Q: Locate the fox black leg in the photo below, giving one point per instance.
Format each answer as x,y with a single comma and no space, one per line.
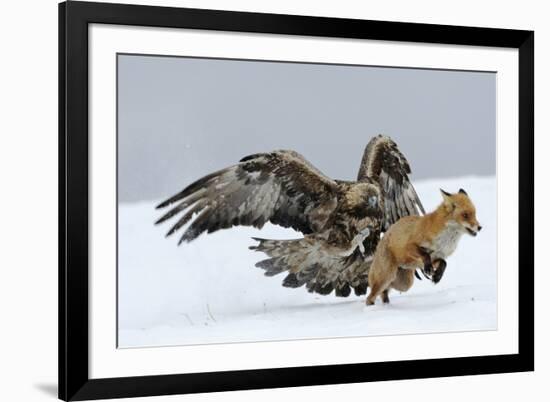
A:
385,296
417,275
426,259
441,265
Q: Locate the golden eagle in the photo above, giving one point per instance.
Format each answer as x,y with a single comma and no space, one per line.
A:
341,220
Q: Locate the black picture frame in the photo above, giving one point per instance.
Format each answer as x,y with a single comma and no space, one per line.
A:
74,381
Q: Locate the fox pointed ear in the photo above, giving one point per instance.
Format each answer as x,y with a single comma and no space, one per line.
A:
447,200
461,191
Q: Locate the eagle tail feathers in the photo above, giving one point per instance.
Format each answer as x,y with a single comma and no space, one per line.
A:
306,264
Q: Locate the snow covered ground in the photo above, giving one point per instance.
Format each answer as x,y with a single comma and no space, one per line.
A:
209,291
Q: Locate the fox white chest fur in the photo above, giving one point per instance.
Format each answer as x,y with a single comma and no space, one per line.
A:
445,243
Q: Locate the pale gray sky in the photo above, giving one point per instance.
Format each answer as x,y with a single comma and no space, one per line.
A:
182,118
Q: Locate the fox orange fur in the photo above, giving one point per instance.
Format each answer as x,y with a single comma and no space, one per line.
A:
420,242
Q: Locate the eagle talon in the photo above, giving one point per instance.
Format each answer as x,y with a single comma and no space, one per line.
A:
366,232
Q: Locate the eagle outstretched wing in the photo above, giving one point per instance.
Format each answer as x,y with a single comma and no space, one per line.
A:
383,163
280,187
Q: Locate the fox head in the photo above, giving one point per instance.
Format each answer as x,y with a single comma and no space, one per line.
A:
462,211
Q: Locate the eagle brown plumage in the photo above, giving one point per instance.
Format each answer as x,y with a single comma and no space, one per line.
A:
341,220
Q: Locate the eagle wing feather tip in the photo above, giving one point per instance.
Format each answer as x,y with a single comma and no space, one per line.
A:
165,203
171,231
160,220
187,238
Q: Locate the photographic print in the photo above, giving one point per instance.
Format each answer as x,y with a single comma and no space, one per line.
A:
252,201
272,201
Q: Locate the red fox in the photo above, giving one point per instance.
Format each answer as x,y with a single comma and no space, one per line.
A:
420,242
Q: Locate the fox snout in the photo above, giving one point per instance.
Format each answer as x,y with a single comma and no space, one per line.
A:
475,230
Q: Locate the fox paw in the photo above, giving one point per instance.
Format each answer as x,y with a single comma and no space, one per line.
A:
441,265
